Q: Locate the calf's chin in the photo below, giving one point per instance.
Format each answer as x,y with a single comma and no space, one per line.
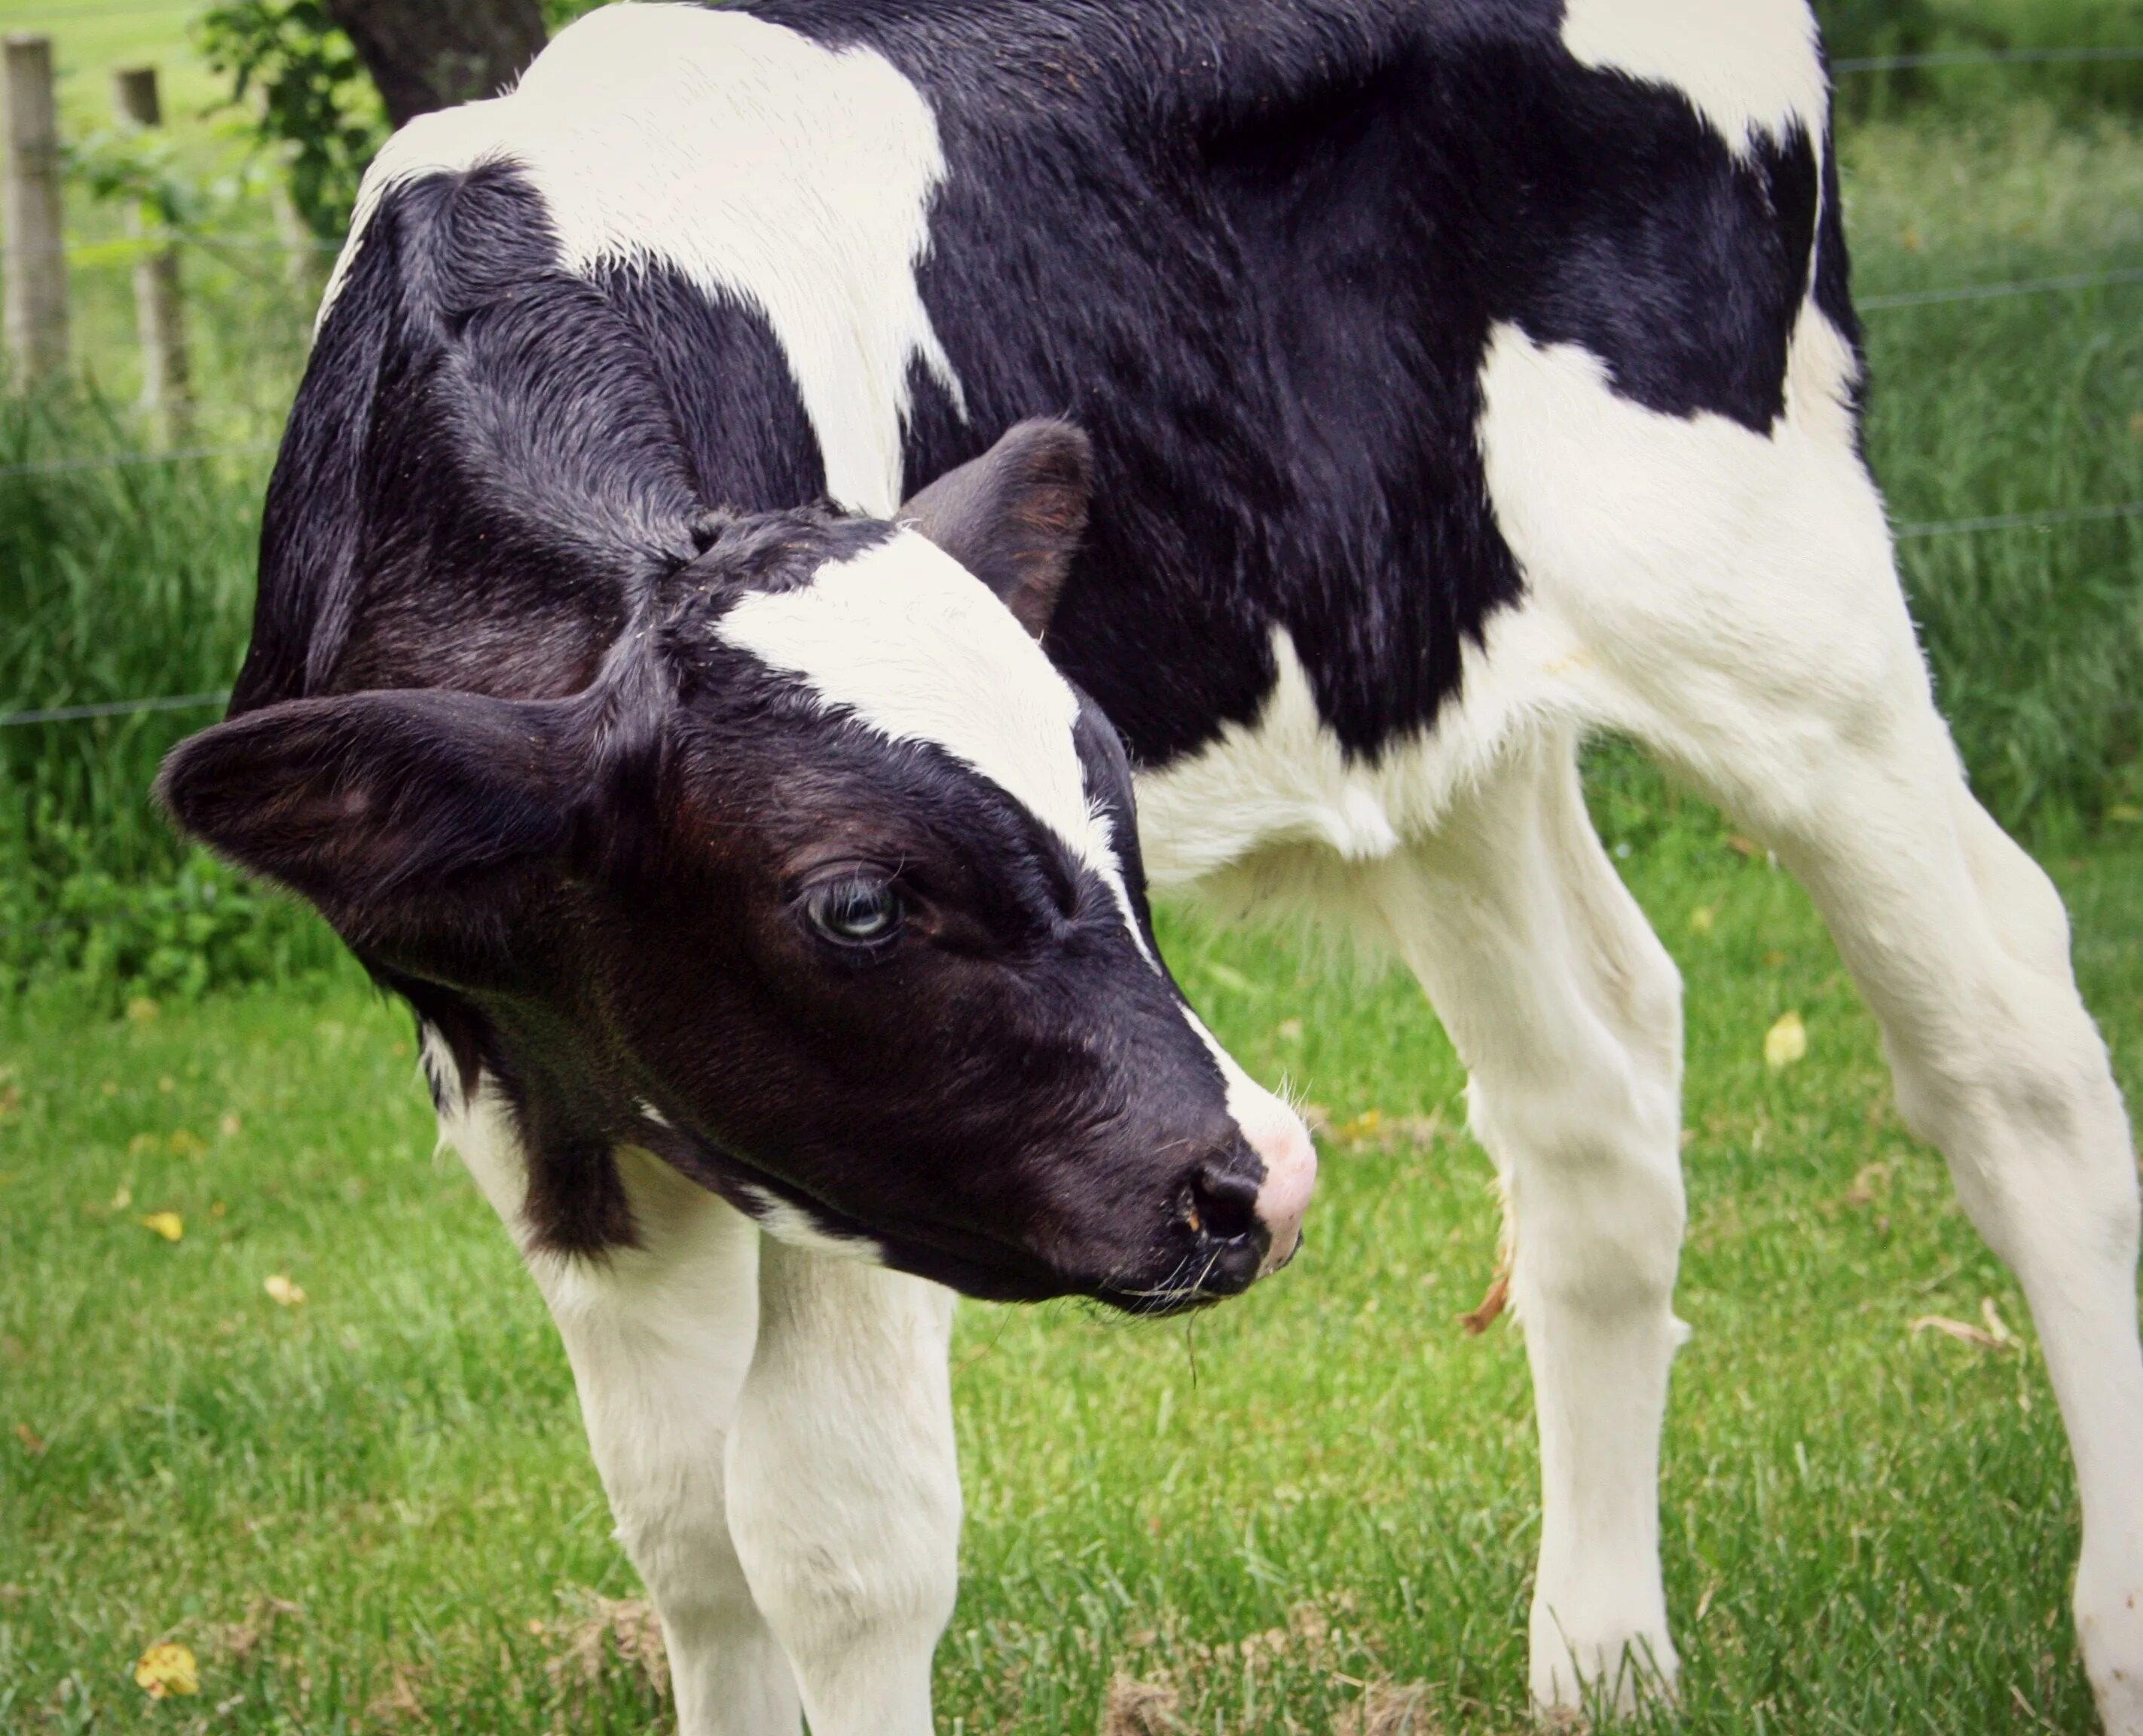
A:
1064,1128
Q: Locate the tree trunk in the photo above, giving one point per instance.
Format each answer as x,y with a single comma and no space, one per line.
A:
428,54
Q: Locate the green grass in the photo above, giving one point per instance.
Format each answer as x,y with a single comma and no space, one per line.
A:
1876,1529
2027,404
115,584
92,38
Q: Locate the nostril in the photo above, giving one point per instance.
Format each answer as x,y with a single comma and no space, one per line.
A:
1224,1204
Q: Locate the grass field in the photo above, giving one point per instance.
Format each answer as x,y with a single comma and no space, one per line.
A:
1866,1528
92,37
2021,404
373,1510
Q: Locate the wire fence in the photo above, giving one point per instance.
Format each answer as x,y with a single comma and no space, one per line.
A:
1984,57
106,249
109,708
1994,292
121,460
2014,522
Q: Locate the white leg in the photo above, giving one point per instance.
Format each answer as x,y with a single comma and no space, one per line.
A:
844,1488
660,1337
1961,945
1567,1013
1734,601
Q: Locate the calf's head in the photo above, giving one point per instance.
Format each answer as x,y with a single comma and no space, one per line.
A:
827,890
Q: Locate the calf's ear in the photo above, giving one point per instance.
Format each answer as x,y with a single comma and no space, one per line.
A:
401,814
1013,517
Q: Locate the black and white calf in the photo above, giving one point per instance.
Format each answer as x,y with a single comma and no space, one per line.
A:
1460,377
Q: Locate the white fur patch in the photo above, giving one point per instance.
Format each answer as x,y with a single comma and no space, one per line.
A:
1637,532
792,1224
1703,563
766,169
1284,779
1748,67
917,648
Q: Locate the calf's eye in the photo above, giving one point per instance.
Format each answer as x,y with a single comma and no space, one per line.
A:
854,912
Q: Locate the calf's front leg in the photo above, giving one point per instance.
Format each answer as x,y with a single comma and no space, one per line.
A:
660,1337
843,1487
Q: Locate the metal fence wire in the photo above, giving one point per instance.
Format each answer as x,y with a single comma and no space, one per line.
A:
1984,57
110,708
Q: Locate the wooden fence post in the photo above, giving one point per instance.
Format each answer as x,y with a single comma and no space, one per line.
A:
33,255
159,313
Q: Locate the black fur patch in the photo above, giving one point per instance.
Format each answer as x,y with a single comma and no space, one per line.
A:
1256,248
523,463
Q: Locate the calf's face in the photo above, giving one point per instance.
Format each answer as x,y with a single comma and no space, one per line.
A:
827,891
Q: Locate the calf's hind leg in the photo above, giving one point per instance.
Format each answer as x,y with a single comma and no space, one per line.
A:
1960,943
1739,612
1567,1013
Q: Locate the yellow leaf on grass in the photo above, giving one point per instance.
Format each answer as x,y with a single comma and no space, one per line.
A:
283,1292
168,1668
1961,1330
1704,918
170,1225
1785,1042
141,1009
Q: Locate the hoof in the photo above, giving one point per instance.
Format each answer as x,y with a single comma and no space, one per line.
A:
2109,1618
1610,1676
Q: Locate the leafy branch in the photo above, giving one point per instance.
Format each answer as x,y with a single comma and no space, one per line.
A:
316,105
